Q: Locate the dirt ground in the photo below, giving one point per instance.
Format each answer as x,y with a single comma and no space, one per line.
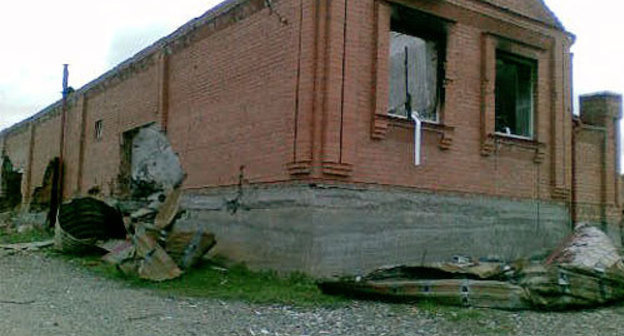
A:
42,295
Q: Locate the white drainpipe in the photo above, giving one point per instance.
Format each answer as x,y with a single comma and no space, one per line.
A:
417,138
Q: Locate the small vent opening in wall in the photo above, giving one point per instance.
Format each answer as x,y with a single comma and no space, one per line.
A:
98,129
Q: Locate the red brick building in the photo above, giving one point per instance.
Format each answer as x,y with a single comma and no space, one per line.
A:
294,121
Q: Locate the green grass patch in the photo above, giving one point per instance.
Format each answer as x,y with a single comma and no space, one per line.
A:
29,236
211,279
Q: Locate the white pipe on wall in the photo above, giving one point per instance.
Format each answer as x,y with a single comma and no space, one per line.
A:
417,138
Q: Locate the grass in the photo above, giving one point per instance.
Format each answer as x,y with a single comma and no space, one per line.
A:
211,279
236,283
29,236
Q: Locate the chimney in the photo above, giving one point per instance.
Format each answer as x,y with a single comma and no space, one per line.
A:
598,109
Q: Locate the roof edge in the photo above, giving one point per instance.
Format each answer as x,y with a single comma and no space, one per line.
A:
209,16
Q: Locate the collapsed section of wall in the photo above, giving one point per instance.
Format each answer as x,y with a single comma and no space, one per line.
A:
10,185
329,230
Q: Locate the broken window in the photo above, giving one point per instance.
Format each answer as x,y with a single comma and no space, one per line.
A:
415,67
514,95
98,129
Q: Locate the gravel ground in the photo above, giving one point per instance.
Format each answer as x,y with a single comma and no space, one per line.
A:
41,296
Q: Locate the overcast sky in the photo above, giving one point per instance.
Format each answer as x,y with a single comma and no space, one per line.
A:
38,36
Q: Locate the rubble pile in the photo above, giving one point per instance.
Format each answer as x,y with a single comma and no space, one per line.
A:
154,250
585,271
143,239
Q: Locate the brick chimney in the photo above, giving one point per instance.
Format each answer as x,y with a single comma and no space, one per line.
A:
598,109
597,182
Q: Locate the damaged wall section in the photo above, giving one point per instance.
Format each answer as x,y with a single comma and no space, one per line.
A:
42,195
10,185
153,165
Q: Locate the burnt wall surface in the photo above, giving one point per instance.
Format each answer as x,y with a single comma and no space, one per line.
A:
339,229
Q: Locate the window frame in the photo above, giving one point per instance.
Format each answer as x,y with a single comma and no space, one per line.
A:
533,64
538,50
429,28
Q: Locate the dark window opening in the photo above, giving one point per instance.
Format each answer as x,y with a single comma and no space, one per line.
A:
98,129
416,67
515,92
10,185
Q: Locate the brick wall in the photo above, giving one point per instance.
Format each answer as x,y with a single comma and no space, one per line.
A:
596,162
299,92
232,100
346,149
126,104
46,142
17,148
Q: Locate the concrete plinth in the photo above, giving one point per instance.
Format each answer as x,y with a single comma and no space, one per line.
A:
327,230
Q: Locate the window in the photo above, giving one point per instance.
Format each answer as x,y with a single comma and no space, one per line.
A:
98,129
415,64
515,77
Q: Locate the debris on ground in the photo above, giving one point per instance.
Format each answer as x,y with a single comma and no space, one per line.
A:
476,285
187,244
85,221
34,246
155,250
586,271
154,263
118,252
140,235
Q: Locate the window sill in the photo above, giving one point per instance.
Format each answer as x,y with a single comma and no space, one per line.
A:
445,132
517,140
493,140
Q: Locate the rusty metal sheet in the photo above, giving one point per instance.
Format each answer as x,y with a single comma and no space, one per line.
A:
458,292
155,264
67,243
188,247
586,271
118,251
89,218
27,246
169,210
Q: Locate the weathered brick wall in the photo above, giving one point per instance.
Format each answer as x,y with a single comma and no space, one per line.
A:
299,92
17,148
225,92
533,9
295,92
46,147
16,145
597,176
126,104
73,147
533,169
232,100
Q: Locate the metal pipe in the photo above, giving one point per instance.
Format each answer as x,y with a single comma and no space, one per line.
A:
57,184
63,122
417,138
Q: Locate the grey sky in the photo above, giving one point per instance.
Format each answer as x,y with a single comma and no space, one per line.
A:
599,48
93,36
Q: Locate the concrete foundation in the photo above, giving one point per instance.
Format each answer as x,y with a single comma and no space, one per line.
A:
327,230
